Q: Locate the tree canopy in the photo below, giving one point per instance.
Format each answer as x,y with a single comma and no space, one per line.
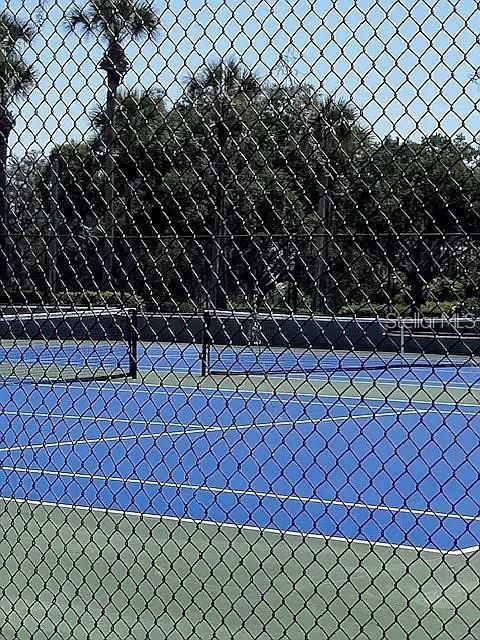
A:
275,194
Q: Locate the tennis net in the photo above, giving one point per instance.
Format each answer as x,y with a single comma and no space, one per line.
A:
67,346
261,344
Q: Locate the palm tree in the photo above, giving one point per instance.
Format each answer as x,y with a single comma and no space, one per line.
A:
141,141
333,137
16,79
226,89
113,22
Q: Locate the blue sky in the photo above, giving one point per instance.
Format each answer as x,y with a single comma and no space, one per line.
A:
406,65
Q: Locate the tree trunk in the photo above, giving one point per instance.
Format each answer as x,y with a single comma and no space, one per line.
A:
219,266
292,291
321,273
422,273
115,64
109,146
52,244
7,123
128,249
219,285
417,292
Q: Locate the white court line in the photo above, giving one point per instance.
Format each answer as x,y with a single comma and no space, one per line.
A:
257,494
343,377
190,429
144,421
160,389
239,527
83,416
291,397
350,416
72,443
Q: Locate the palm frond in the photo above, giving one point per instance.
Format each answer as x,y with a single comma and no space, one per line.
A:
114,20
17,79
144,21
228,76
14,30
76,19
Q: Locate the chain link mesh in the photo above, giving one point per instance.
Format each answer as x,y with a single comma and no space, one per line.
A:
239,319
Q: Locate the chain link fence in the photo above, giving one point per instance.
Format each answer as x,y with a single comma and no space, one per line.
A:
239,320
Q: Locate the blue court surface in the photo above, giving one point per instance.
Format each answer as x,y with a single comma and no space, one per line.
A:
392,473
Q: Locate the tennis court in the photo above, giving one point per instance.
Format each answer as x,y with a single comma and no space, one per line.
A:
379,471
178,500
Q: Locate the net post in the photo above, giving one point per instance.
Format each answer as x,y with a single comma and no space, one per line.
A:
133,343
402,337
206,340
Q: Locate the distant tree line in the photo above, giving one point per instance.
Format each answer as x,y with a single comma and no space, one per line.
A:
246,192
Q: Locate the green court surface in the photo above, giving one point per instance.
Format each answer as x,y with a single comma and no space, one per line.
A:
80,574
420,392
